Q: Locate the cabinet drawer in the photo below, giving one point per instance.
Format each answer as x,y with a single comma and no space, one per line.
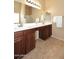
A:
29,31
18,34
18,39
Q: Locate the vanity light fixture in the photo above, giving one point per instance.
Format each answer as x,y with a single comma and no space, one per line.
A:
33,4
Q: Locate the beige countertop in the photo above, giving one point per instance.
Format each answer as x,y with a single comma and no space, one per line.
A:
27,26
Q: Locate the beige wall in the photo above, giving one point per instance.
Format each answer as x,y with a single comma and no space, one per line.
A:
58,32
36,12
56,7
17,7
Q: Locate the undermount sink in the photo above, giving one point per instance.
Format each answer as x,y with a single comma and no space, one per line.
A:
28,24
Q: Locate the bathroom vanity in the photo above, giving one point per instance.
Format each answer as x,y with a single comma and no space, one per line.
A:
28,21
24,38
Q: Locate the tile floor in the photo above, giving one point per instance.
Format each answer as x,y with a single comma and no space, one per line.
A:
49,49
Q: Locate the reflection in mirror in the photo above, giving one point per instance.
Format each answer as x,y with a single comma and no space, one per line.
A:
16,18
27,14
29,19
17,8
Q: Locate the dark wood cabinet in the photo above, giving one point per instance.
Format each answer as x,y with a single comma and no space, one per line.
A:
19,46
50,30
29,36
24,41
45,32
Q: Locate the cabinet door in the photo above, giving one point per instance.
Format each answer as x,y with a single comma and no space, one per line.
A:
50,30
29,40
19,47
22,47
45,32
32,40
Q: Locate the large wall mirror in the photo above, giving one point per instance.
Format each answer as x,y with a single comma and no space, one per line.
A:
25,14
